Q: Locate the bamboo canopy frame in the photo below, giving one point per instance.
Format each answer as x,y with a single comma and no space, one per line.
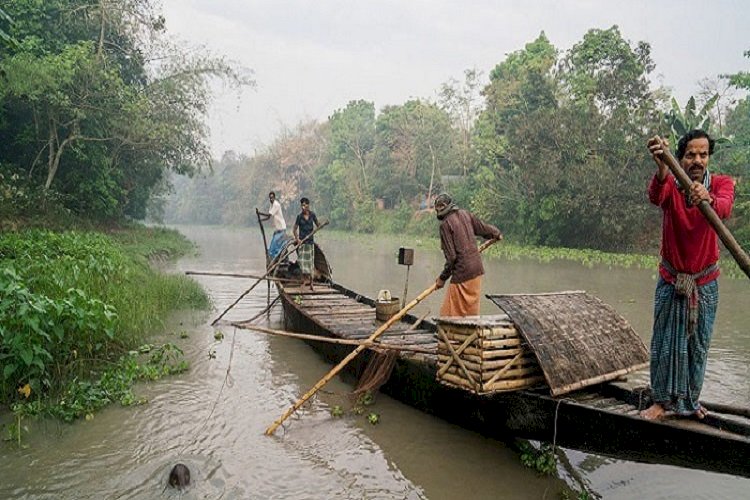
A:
270,269
336,369
740,256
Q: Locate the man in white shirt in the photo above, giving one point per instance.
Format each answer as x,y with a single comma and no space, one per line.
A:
279,225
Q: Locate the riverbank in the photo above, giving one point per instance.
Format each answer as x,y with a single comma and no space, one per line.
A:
512,251
78,310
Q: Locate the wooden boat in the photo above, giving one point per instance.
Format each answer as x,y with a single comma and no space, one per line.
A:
601,419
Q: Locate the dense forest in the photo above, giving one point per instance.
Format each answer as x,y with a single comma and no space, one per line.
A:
97,104
102,116
551,149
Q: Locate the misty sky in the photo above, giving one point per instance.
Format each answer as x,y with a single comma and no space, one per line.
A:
312,57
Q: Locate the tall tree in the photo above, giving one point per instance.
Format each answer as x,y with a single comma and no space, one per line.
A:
79,90
353,139
462,101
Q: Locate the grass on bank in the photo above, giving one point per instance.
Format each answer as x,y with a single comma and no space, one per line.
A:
76,311
424,234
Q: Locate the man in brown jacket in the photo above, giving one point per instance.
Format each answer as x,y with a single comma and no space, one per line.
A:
463,266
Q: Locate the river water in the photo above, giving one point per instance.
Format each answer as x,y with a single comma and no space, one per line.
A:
212,418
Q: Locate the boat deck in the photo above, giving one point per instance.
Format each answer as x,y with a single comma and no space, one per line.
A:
347,318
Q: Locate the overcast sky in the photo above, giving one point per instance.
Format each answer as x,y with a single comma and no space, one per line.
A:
312,57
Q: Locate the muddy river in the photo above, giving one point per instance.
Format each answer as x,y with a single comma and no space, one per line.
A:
212,418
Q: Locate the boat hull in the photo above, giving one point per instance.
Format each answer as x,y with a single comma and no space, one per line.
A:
586,420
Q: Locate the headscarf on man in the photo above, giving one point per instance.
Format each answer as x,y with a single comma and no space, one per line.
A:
444,205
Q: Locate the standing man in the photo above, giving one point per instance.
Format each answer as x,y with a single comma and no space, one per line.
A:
279,226
458,232
687,292
304,225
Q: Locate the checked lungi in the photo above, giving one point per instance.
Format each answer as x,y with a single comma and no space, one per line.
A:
678,357
306,258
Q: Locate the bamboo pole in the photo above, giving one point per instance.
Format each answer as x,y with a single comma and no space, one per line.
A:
239,275
265,245
319,338
273,266
740,256
263,232
336,369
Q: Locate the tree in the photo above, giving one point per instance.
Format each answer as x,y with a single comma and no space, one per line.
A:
462,102
521,84
5,38
568,174
604,70
353,139
416,141
80,89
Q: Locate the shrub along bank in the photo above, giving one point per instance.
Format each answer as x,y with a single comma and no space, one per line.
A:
76,310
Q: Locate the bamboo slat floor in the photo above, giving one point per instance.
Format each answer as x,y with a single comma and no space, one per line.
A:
347,318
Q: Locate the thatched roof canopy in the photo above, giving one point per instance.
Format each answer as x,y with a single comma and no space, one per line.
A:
578,339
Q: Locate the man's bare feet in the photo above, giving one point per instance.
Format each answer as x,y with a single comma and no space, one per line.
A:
653,412
700,413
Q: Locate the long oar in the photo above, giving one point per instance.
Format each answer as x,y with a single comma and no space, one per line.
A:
273,266
265,245
263,232
336,369
708,212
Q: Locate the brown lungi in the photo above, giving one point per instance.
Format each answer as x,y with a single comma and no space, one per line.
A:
462,299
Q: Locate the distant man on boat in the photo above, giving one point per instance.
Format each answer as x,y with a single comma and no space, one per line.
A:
304,225
463,266
279,226
687,293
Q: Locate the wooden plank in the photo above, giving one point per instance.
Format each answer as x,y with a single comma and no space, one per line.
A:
334,312
337,301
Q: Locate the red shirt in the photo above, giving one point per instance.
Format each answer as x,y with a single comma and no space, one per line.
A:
688,242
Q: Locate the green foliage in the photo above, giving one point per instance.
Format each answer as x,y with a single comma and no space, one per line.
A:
540,459
554,157
567,174
603,69
682,121
38,333
5,38
741,79
83,397
63,298
337,411
85,119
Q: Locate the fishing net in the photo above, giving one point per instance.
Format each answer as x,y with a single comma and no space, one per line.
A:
376,373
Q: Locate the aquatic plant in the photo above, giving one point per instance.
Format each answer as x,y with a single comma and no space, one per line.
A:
74,302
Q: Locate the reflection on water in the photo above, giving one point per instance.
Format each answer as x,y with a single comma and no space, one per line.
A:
213,420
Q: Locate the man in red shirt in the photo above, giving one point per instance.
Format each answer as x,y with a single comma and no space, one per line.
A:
463,266
687,293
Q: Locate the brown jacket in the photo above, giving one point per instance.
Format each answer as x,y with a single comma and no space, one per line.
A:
458,232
